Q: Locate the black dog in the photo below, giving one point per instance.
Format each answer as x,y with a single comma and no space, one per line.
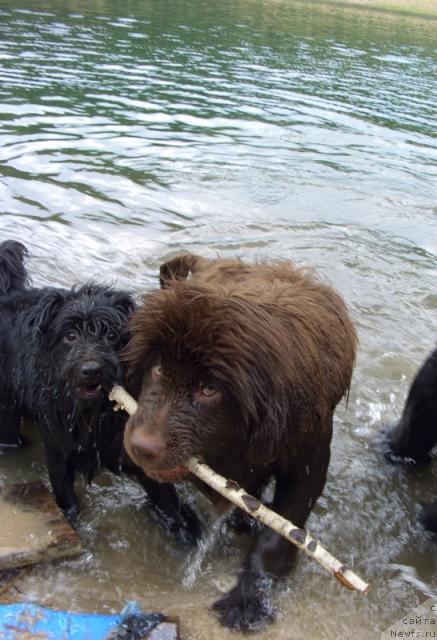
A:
416,433
59,353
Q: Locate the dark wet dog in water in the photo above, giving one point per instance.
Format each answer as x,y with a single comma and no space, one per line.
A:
243,366
416,432
59,353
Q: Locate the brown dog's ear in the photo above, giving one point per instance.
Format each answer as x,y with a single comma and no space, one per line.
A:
178,268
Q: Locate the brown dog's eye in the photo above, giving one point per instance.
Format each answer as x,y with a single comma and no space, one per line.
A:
209,390
71,337
157,371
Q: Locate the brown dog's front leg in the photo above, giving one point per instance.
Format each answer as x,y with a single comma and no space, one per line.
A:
248,606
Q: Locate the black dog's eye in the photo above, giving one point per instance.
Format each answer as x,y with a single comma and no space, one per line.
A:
112,336
71,337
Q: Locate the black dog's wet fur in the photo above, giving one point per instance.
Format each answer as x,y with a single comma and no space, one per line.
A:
416,433
59,353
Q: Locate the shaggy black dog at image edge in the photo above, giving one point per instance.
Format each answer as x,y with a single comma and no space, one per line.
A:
59,356
416,432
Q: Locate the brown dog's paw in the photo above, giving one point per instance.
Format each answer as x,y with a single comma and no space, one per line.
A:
248,613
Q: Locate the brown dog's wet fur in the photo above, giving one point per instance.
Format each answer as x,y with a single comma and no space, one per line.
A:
241,365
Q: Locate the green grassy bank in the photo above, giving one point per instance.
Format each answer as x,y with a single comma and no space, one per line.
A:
417,7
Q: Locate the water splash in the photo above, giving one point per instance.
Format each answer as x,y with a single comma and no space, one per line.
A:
194,562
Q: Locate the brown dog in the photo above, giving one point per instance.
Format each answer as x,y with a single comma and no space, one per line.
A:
241,365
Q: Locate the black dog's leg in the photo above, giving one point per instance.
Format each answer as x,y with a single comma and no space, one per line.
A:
10,424
176,517
428,516
173,515
416,433
61,475
247,607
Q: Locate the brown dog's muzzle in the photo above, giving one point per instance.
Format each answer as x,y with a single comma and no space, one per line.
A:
146,447
149,451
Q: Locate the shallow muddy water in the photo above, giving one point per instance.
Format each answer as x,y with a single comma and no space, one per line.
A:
130,130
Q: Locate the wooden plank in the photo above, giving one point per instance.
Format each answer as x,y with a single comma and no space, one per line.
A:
32,527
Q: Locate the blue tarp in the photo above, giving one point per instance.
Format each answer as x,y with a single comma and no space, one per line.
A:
23,621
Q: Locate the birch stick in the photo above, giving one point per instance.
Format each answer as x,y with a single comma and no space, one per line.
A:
251,505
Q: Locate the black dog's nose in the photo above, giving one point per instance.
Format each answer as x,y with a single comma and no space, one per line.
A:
90,369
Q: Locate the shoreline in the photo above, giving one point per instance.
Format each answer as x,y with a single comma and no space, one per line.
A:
423,8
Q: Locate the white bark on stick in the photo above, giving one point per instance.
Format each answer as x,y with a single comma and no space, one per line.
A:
251,505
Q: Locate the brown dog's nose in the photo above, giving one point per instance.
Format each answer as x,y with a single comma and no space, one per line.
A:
147,445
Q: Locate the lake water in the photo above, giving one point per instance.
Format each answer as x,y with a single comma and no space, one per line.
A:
265,129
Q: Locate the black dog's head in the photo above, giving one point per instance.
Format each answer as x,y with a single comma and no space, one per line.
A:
81,333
